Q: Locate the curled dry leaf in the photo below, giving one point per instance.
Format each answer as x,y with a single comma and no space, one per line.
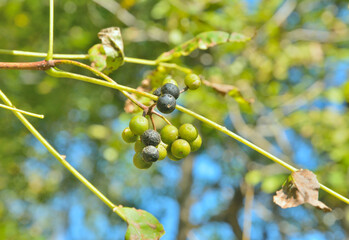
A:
300,187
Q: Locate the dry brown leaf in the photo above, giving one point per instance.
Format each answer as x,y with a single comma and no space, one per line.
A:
220,88
301,187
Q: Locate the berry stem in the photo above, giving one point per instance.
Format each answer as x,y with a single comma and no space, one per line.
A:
55,153
50,45
22,111
184,89
41,54
254,147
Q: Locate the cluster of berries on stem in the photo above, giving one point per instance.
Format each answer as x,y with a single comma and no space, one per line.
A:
176,143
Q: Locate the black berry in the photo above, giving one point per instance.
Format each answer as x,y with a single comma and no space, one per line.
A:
150,154
166,103
150,137
171,89
157,92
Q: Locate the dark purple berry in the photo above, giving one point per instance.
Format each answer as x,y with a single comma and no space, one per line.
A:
166,103
151,137
171,89
150,154
157,92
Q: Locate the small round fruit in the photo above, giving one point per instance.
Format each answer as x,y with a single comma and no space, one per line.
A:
196,144
180,148
157,92
169,134
128,135
171,89
150,154
139,162
166,103
139,146
188,132
138,125
151,137
172,157
169,79
192,81
162,152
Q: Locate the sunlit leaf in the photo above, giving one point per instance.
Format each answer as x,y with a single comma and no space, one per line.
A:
300,187
141,224
202,41
109,55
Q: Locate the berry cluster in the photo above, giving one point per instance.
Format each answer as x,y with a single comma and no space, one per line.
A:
151,146
169,92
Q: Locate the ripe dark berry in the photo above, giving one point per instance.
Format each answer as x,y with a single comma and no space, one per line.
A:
150,154
139,162
169,134
128,135
171,89
157,92
151,137
192,81
138,125
196,144
166,103
188,132
180,148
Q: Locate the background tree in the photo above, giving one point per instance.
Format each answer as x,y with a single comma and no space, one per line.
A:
295,69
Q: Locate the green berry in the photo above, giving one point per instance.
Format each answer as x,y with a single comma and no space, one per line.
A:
151,137
139,146
150,154
196,144
172,157
162,152
169,134
180,148
139,162
188,132
192,81
169,79
128,135
138,125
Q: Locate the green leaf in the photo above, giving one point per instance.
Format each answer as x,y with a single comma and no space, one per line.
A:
202,41
141,224
108,56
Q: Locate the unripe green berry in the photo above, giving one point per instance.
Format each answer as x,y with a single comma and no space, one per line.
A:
196,144
169,79
139,162
192,81
169,134
128,135
138,125
139,146
172,157
188,132
180,148
162,152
